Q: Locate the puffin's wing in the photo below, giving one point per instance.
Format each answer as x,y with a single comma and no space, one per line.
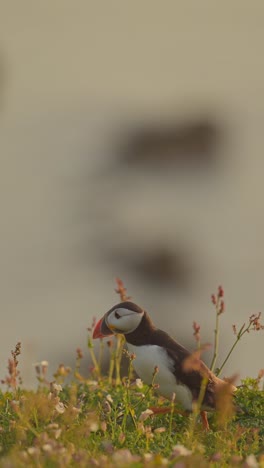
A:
216,388
193,378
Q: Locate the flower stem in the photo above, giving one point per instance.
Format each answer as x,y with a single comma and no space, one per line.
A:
241,332
118,357
111,367
216,338
93,357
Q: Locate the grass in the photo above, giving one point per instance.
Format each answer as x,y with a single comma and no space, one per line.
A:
107,420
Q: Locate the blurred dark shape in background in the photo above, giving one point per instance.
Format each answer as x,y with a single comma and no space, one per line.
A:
139,247
132,242
160,266
191,143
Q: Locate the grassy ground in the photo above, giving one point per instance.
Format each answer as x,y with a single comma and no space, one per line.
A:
107,420
91,422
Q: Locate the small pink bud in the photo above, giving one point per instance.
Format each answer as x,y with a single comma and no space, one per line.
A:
79,353
196,328
221,308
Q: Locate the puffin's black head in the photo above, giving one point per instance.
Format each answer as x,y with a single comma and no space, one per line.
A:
123,318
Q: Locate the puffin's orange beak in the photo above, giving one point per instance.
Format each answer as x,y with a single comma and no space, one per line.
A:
101,329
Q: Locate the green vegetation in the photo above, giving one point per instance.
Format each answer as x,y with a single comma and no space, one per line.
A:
108,421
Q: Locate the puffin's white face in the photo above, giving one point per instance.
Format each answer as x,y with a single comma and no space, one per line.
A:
122,320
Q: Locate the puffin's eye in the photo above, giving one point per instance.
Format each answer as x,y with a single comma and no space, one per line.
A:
117,315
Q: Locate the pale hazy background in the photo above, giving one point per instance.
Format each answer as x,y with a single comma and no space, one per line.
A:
76,80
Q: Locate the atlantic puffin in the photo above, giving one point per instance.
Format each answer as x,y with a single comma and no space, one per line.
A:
154,347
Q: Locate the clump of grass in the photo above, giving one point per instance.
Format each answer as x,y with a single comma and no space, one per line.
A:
107,420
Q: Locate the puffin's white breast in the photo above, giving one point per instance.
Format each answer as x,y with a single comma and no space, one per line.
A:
149,356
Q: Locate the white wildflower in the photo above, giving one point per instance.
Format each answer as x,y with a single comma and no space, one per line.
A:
181,451
57,388
91,382
57,433
52,426
94,426
145,414
60,408
148,457
109,398
139,383
251,461
47,447
44,363
159,430
33,450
